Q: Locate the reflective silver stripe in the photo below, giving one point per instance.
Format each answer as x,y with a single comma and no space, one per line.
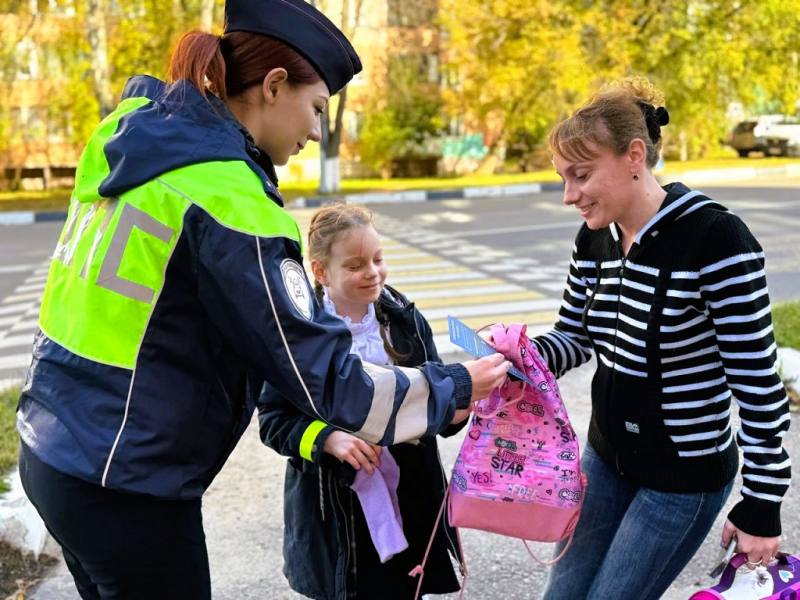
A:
66,252
280,330
107,277
121,427
412,417
62,248
109,209
384,382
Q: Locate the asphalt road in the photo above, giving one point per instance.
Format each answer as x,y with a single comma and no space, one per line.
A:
541,227
521,244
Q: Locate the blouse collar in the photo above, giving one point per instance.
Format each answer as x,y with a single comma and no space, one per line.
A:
367,340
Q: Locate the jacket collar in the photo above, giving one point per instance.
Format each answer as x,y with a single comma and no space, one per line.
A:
393,302
679,202
179,127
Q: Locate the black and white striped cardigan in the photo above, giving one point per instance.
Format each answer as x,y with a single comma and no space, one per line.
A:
680,326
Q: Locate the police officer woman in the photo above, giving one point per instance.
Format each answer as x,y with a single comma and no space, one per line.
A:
176,289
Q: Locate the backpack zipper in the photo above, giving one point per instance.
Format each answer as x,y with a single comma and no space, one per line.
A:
616,339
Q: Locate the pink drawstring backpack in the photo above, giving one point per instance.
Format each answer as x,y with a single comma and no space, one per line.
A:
518,471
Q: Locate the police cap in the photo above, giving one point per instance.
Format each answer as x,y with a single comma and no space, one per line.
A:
304,28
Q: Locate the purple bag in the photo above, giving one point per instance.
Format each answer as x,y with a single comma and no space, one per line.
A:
777,581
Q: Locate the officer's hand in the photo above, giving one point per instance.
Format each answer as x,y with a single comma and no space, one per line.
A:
352,450
487,373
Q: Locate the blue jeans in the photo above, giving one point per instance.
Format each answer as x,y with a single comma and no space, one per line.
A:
631,541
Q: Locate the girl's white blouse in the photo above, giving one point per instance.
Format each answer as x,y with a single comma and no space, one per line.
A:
367,341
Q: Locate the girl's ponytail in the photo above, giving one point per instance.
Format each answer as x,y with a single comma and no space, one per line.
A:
319,292
383,321
198,59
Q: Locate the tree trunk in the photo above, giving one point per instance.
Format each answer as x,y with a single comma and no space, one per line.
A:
494,157
683,140
329,174
325,183
207,15
98,40
330,180
489,164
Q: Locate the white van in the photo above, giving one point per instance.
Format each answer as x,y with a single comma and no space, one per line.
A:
774,135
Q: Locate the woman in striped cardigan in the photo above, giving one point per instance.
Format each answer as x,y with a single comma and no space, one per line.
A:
667,289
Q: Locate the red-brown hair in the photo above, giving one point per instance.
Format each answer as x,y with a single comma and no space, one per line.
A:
230,64
611,119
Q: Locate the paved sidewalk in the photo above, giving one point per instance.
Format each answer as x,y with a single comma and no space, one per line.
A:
243,520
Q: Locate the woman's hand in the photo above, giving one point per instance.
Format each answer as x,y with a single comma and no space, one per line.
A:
352,450
759,550
487,373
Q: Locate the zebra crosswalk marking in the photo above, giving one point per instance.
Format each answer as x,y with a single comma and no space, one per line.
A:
467,300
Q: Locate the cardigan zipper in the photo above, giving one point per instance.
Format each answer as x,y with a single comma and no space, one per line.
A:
616,342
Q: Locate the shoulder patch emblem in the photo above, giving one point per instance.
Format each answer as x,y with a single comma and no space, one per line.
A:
296,284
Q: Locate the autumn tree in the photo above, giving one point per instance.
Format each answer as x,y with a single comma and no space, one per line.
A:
514,65
403,117
522,65
347,18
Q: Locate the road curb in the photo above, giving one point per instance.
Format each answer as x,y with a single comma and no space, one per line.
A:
27,217
20,525
701,177
485,191
698,177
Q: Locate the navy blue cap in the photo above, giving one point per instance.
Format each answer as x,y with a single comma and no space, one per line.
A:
304,28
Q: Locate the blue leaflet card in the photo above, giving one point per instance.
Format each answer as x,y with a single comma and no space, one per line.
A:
463,337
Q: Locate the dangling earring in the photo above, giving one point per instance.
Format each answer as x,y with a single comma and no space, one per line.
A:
635,177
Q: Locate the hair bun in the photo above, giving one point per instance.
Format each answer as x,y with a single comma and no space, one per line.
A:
662,116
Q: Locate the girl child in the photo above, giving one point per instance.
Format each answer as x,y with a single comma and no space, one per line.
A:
328,550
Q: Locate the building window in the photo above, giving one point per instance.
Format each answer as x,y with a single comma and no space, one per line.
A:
411,13
432,61
35,127
27,60
15,116
64,8
414,65
51,62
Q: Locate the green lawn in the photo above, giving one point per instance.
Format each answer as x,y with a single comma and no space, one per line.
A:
48,200
9,441
58,199
725,162
786,317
